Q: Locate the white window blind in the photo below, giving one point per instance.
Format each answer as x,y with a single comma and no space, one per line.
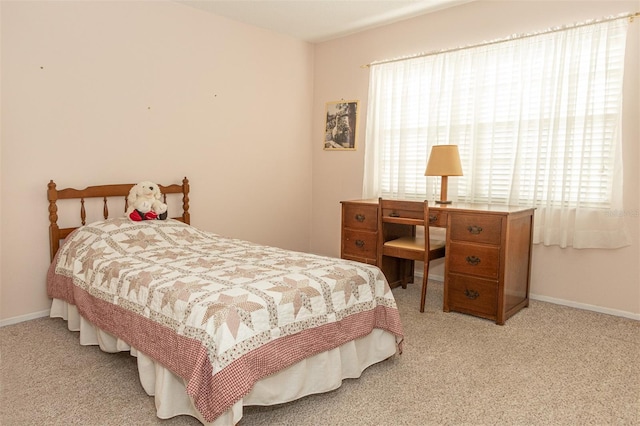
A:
536,118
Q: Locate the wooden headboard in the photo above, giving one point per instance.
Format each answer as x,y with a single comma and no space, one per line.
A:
102,191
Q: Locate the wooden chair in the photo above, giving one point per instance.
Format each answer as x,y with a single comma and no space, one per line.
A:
397,238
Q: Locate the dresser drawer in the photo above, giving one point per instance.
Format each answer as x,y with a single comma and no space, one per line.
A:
480,260
485,229
473,295
359,244
359,216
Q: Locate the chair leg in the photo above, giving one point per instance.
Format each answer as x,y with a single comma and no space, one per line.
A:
405,267
425,278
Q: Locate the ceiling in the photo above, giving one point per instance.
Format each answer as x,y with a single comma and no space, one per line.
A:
319,20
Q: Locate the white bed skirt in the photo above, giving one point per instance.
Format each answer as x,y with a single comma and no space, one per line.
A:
321,373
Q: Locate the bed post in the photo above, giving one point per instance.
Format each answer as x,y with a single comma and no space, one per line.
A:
186,217
54,236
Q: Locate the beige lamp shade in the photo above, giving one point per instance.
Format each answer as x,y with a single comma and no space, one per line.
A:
444,161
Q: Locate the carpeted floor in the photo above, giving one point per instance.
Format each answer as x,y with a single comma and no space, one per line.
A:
548,365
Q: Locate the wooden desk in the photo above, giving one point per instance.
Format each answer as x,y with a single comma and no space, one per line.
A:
488,254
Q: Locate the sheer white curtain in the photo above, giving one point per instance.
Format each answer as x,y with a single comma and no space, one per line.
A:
537,121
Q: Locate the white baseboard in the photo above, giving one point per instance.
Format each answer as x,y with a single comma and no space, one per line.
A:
585,306
439,278
22,318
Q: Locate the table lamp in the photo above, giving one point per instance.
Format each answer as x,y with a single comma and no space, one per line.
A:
444,161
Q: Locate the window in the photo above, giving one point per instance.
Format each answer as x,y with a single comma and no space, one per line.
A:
536,119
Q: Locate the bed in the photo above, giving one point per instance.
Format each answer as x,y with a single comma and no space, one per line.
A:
215,323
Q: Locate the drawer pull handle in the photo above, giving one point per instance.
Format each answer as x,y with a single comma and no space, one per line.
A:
394,214
359,243
471,294
473,260
360,217
475,230
433,218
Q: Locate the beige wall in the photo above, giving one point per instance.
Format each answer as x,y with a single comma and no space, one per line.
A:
105,92
605,280
102,92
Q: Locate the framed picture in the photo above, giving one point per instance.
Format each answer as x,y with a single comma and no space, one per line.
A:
341,125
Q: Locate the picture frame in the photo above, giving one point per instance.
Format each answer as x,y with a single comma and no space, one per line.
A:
341,125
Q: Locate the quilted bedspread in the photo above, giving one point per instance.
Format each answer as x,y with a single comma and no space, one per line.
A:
221,313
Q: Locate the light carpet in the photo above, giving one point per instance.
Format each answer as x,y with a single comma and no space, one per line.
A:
548,365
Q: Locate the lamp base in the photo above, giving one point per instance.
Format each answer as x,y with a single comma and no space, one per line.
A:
443,202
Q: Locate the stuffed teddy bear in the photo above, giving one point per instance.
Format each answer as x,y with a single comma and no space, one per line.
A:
144,202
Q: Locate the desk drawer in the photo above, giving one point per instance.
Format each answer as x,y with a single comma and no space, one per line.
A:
359,216
473,295
359,244
437,218
474,259
485,229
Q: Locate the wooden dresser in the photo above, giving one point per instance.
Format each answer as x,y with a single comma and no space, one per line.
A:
488,253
